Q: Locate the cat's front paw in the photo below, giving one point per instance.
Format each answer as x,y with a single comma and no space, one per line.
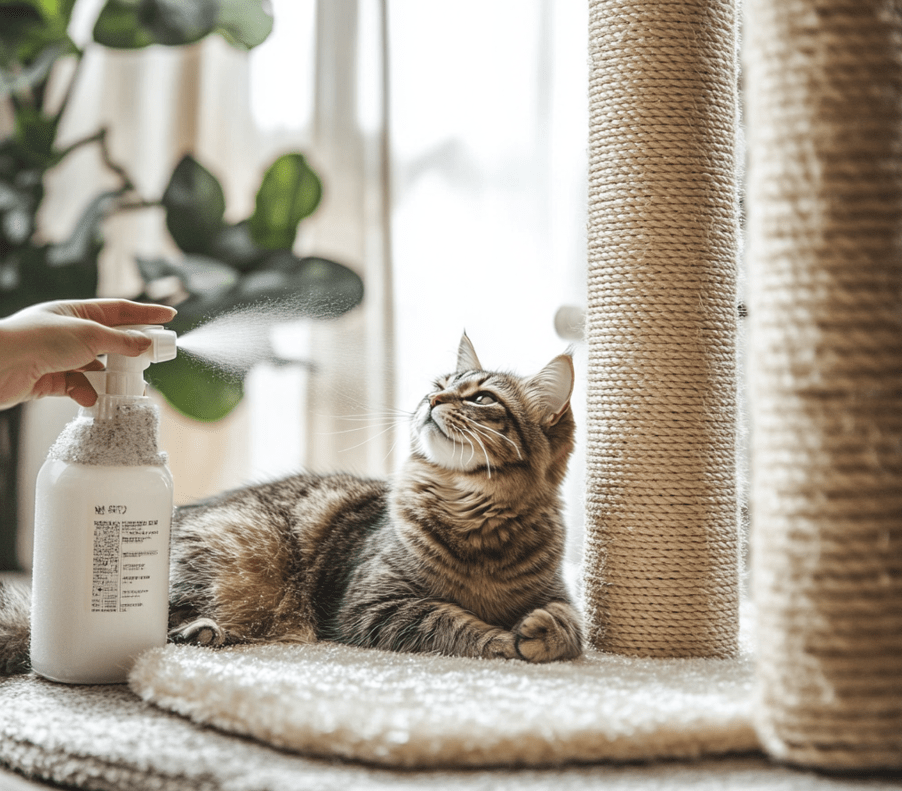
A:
502,645
548,634
203,631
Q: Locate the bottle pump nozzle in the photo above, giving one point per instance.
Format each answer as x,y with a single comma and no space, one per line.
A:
125,375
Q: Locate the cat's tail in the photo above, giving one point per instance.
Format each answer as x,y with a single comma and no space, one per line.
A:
15,628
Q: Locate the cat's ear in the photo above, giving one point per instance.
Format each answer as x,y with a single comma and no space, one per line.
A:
466,356
552,387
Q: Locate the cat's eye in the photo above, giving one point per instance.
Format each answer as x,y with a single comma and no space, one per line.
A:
483,399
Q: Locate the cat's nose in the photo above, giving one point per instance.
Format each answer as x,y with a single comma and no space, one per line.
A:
438,398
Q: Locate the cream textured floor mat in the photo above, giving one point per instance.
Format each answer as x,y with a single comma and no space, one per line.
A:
406,710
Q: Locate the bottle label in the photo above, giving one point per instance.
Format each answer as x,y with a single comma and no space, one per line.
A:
122,576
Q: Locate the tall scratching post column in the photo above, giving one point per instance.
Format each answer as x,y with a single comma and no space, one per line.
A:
825,229
661,564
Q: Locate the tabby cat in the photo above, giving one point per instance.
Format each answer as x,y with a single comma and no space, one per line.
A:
460,554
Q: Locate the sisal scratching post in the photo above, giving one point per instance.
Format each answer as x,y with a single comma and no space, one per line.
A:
661,567
825,211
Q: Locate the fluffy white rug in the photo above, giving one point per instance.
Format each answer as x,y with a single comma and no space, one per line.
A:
404,710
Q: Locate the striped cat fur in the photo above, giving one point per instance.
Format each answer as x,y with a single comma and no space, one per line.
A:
460,554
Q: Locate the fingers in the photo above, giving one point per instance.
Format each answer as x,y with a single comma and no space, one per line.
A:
72,383
79,389
126,312
113,312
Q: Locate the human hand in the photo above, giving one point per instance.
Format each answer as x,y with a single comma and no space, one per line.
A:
45,348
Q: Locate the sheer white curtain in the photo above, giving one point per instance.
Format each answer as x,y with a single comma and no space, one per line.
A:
353,375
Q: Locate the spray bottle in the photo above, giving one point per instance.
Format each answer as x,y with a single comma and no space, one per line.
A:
100,587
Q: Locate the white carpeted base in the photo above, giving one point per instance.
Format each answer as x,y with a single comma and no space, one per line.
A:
406,710
104,738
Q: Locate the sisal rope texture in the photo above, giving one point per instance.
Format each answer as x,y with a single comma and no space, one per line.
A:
661,561
825,228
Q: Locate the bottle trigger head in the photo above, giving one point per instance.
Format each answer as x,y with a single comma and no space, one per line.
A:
124,374
163,344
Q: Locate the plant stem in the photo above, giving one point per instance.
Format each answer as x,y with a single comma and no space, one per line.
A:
94,138
100,137
70,89
138,204
127,183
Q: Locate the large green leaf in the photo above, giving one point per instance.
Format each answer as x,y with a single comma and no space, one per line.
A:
132,24
177,22
195,205
235,245
118,26
244,23
29,27
195,388
290,192
18,17
315,287
57,8
45,9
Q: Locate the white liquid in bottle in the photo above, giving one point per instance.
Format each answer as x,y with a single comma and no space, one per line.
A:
101,571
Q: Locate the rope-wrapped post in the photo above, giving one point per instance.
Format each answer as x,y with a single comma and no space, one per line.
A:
824,81
661,561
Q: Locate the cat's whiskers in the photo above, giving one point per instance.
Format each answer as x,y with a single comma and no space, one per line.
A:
371,424
472,451
488,464
456,435
392,414
370,439
458,446
385,411
477,425
390,451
